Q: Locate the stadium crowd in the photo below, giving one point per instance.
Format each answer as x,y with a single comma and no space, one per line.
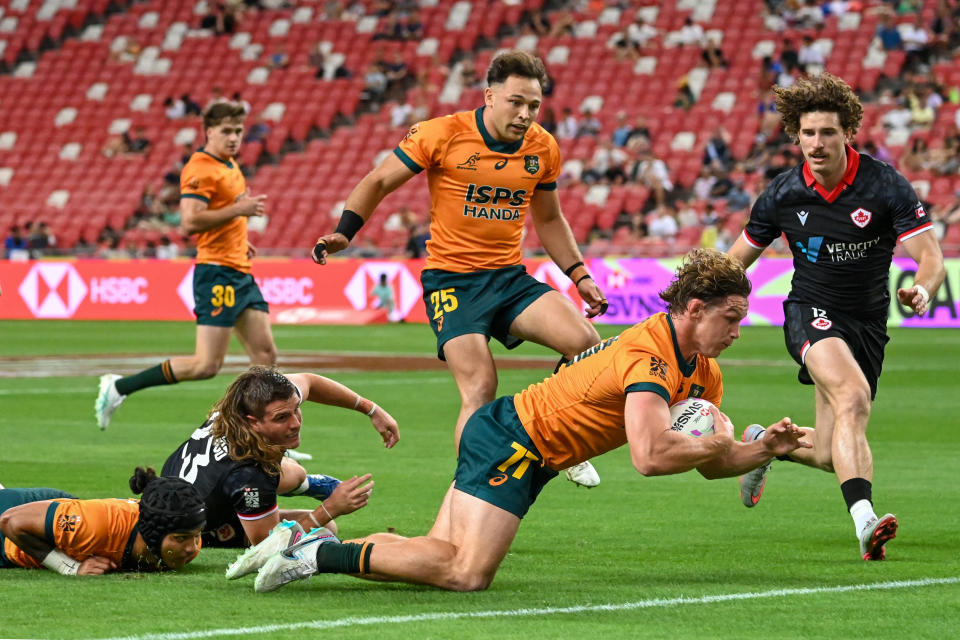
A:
678,212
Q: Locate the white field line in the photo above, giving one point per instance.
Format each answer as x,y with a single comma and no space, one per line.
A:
542,611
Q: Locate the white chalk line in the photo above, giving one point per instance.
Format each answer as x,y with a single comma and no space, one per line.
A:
541,611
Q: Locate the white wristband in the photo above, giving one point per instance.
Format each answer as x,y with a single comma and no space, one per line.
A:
60,562
373,410
922,290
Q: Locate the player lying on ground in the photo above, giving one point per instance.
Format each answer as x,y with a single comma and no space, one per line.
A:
616,393
50,528
236,458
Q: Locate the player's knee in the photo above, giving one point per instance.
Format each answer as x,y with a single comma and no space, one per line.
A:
466,580
204,370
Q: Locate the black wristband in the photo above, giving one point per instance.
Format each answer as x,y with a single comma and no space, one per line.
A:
571,268
582,278
350,223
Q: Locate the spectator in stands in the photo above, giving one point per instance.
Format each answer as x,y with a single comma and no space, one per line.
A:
620,44
945,160
536,21
111,249
413,27
652,172
640,134
640,34
82,247
610,160
389,29
168,249
878,151
810,57
398,77
809,16
703,183
191,106
945,214
687,216
590,125
661,223
223,19
15,244
917,156
568,126
916,44
247,108
922,114
712,54
382,8
564,24
685,98
174,108
622,131
888,34
789,56
716,153
258,131
374,87
691,34
548,120
768,114
468,75
216,96
138,143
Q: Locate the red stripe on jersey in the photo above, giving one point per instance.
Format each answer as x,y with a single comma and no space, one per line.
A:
803,351
753,243
258,516
914,232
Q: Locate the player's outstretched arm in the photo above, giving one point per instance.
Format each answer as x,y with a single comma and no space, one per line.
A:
925,250
780,438
558,240
375,186
323,390
656,450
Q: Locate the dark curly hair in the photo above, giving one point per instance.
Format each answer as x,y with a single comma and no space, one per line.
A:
708,275
168,505
826,93
516,63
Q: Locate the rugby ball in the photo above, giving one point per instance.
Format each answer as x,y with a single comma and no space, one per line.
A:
692,417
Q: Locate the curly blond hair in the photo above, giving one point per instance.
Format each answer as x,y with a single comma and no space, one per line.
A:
826,93
249,395
708,275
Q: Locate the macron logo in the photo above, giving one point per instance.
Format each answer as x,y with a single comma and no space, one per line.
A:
803,217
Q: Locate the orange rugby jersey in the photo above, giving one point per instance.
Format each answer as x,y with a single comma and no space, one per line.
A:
84,528
480,188
219,184
577,413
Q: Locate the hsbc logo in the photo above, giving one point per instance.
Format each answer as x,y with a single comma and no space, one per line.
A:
53,290
406,288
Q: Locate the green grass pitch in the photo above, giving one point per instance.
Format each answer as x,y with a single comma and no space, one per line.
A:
671,557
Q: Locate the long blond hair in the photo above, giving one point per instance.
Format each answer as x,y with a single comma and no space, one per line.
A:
249,395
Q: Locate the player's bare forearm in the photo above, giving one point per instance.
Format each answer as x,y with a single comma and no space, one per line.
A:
744,252
197,219
24,526
779,439
925,250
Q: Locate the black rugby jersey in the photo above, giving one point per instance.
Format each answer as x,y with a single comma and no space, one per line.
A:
231,490
842,241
